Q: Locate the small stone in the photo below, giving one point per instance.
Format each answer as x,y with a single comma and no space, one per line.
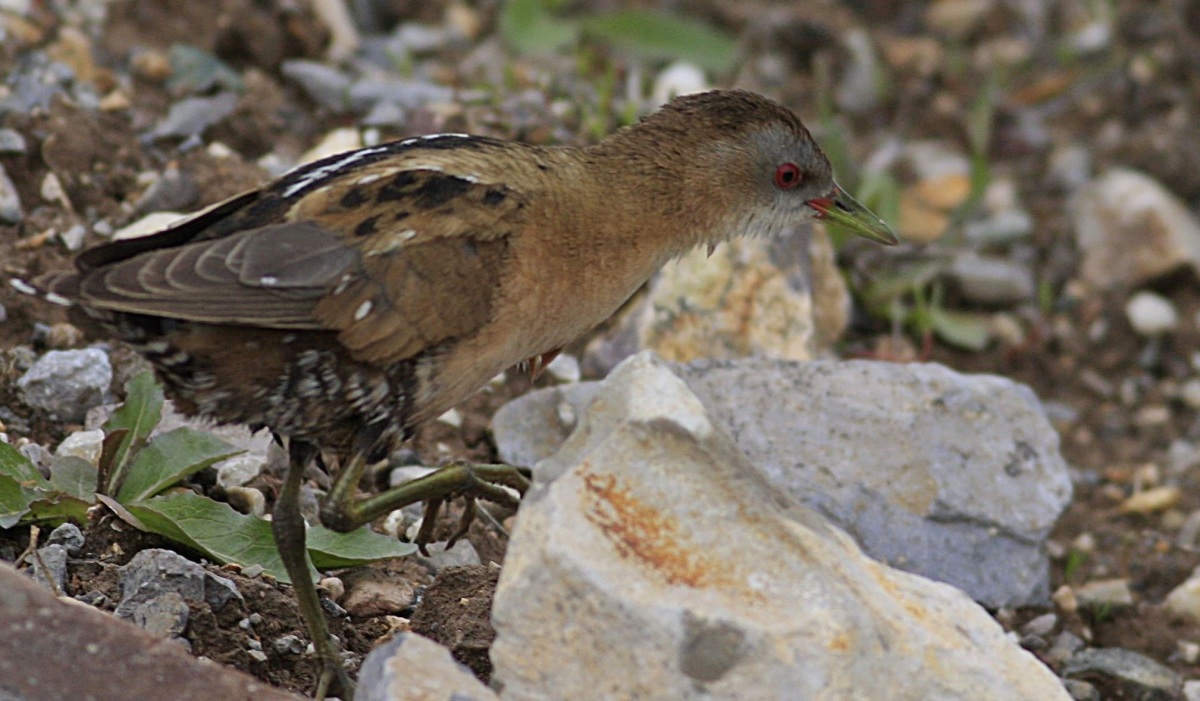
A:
1065,598
956,18
191,116
326,85
246,500
1188,651
1042,626
1151,314
73,238
165,616
333,587
12,142
239,470
1184,600
1190,392
371,593
289,645
1191,690
1136,675
257,655
679,78
1081,690
85,445
1105,592
69,536
65,384
989,280
1064,646
336,141
1151,500
565,369
54,557
10,202
452,417
463,553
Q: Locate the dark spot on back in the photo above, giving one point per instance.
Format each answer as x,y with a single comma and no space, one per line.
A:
398,187
367,226
470,248
438,189
494,196
401,216
543,167
354,198
471,143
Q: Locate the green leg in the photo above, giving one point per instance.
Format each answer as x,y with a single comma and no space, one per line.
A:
288,527
342,512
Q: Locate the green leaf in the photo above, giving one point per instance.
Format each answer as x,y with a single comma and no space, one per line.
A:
57,507
15,499
330,549
214,529
17,466
74,476
169,458
657,35
963,329
139,415
529,27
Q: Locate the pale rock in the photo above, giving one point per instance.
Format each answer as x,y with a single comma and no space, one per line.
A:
679,78
66,384
336,141
1105,592
414,668
750,297
1130,230
85,445
954,477
957,18
1184,600
651,546
1151,314
992,280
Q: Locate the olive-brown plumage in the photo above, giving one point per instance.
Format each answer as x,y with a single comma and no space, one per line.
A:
360,295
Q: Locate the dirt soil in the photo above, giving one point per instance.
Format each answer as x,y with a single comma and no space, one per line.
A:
1113,447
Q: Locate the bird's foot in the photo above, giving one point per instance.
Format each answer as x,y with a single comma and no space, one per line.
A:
494,483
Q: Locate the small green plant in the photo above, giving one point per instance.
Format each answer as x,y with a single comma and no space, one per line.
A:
138,477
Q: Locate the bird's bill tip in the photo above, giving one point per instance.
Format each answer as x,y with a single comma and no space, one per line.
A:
840,209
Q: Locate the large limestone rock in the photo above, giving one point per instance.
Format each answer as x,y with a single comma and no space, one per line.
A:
651,561
954,477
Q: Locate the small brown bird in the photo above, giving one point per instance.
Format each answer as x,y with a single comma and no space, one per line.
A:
358,296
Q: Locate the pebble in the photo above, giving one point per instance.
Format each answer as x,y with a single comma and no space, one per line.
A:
336,141
65,384
191,116
1105,592
1188,651
679,78
1064,646
85,445
1136,675
333,587
10,202
69,536
1151,500
325,84
1065,598
1191,690
565,369
246,500
1184,599
1081,690
462,554
1151,314
992,280
54,557
1041,626
289,645
12,142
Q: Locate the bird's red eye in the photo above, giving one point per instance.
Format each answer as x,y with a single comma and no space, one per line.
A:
788,176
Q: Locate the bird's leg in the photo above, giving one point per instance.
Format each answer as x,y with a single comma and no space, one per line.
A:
342,512
287,525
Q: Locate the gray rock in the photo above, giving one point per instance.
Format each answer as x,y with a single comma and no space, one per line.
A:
65,384
414,668
12,142
462,554
154,572
988,280
54,557
1081,690
191,116
10,201
1139,676
69,536
289,645
950,476
165,616
326,85
1191,690
650,545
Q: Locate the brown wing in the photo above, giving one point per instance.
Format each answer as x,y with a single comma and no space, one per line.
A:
399,262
